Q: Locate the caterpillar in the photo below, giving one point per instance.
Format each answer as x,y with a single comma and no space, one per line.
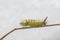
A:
33,23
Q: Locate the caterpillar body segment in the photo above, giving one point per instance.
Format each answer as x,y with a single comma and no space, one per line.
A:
33,23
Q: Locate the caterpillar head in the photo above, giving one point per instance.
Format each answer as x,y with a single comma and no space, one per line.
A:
24,23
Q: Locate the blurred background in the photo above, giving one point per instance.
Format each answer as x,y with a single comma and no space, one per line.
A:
12,12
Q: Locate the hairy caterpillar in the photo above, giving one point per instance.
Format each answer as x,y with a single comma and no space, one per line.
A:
33,23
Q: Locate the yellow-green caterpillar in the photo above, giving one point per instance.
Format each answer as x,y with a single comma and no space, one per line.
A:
33,23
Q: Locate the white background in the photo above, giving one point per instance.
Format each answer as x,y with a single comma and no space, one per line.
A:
13,11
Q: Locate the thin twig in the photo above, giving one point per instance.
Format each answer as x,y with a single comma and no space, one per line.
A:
24,28
53,24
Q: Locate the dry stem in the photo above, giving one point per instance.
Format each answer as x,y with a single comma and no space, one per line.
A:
25,28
